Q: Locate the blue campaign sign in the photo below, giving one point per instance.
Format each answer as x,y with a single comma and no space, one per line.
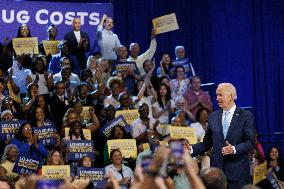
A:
96,175
26,165
79,148
185,62
46,134
9,129
117,121
49,183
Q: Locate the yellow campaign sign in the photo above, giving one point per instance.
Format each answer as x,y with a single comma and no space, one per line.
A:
27,45
147,146
259,173
85,114
126,146
165,23
86,132
51,47
183,132
56,171
129,115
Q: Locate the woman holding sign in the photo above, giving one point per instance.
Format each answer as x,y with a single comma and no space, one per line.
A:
122,173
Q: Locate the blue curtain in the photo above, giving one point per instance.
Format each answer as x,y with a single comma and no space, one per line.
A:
241,42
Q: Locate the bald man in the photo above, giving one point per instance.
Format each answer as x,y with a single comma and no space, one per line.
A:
230,134
79,45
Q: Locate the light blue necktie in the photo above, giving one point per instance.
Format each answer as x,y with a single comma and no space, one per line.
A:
226,123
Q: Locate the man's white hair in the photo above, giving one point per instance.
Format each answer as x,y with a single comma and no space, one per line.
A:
179,47
229,88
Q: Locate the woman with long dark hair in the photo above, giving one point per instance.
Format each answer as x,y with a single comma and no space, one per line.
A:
164,104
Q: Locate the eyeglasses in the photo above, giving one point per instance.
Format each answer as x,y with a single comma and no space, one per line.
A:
27,128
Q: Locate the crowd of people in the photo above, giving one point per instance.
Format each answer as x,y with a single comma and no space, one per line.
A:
44,89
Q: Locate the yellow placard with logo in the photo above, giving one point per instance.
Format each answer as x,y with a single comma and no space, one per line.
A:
126,146
183,132
28,45
259,173
165,23
85,114
86,132
56,171
51,47
129,115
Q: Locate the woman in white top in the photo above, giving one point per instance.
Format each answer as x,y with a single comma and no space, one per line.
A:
123,174
146,94
201,125
180,84
164,105
40,76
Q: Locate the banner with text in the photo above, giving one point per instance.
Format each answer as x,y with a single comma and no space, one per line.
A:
46,134
117,121
96,175
80,148
56,171
26,165
129,115
37,15
183,132
126,146
9,129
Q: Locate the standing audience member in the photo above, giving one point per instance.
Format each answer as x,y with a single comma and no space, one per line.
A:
79,45
107,40
148,55
196,98
181,84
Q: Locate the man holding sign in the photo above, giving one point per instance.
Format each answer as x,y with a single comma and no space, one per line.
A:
231,134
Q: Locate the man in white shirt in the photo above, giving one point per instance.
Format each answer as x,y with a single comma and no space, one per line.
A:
107,40
148,55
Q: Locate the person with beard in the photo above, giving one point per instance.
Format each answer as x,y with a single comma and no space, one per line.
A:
108,41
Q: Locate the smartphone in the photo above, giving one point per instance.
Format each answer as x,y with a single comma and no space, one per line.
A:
177,151
146,162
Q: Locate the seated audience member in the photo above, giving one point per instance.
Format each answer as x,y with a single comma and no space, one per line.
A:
59,104
108,41
109,114
149,68
148,55
51,36
179,85
28,101
196,98
54,64
164,105
165,80
181,60
115,86
125,101
66,67
165,66
130,72
180,119
201,123
69,117
54,157
117,132
28,143
75,132
41,101
274,165
214,178
146,94
79,45
180,104
8,160
19,72
40,76
122,173
143,123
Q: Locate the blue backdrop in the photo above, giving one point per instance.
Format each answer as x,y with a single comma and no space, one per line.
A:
234,41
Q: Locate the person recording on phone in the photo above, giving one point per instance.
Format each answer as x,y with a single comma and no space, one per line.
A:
230,134
79,45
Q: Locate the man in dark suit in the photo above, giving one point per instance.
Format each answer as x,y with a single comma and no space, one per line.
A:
59,104
79,45
230,134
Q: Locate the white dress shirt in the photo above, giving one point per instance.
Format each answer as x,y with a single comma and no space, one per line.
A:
126,172
78,36
148,55
230,115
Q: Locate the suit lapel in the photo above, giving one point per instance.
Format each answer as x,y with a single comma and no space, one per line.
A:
234,122
74,37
